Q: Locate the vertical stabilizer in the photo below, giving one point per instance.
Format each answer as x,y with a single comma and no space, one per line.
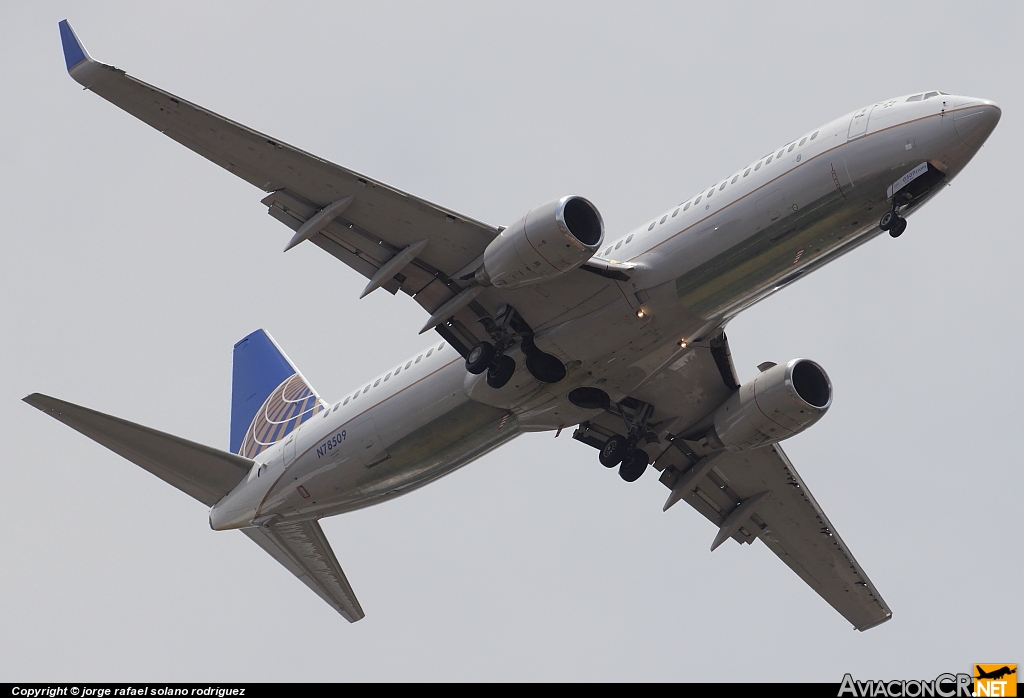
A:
269,397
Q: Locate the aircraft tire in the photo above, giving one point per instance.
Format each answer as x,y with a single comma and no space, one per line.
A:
634,465
480,357
887,220
613,451
898,227
500,372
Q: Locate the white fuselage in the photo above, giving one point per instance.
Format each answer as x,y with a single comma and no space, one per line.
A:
695,266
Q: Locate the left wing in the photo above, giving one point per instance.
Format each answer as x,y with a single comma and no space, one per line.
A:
748,495
396,240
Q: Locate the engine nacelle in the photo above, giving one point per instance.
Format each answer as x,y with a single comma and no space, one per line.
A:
549,240
780,402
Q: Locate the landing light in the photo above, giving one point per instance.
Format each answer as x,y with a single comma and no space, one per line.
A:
640,313
682,343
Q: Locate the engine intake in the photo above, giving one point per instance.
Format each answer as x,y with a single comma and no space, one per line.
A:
549,240
780,402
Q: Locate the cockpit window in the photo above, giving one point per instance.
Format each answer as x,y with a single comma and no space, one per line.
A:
915,98
930,95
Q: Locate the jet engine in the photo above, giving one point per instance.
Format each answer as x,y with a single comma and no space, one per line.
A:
780,402
551,239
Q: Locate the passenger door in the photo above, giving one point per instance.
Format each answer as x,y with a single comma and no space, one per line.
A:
859,123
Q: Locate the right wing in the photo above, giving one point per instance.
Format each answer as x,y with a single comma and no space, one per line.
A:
396,240
303,549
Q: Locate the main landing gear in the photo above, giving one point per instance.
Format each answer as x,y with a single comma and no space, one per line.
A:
622,450
485,357
490,357
893,222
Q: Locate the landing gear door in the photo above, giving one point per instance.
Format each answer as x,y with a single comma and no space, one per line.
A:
859,123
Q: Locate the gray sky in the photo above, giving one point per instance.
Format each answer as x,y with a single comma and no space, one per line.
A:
130,266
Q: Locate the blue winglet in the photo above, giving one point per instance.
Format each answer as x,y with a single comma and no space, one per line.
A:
74,53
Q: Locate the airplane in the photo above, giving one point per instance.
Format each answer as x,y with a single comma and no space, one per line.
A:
543,325
995,674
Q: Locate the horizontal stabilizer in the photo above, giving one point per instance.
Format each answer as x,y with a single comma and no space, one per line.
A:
199,471
303,549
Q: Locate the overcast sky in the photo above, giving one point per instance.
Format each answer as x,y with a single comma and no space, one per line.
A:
130,266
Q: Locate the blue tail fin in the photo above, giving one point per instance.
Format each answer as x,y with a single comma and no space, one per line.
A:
269,397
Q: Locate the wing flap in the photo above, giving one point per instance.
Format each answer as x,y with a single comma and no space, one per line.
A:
205,473
304,550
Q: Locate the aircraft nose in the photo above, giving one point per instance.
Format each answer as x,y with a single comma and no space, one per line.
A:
975,123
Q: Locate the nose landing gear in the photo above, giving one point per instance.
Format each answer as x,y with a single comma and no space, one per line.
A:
893,222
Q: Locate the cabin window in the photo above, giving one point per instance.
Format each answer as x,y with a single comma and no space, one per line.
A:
686,206
365,389
675,213
791,146
387,377
356,395
429,353
631,237
803,140
325,413
440,346
814,135
663,219
376,383
346,400
418,358
769,159
408,365
747,172
696,201
397,371
337,405
723,185
757,166
619,243
779,154
735,178
650,227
